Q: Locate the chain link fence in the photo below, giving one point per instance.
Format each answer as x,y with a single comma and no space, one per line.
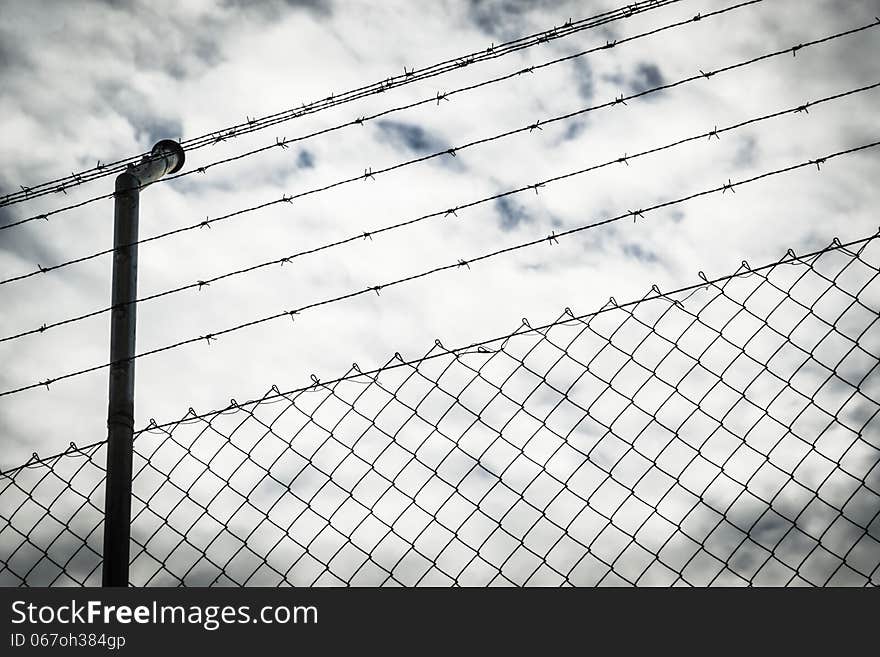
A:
723,434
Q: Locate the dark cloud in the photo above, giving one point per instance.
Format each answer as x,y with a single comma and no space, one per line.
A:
153,130
149,126
411,137
574,130
272,9
504,18
583,74
646,76
305,159
634,250
512,214
746,151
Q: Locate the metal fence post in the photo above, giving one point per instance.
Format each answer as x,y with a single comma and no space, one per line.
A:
166,157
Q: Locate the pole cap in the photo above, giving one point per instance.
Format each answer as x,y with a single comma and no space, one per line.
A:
169,147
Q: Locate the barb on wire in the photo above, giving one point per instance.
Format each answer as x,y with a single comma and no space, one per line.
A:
417,160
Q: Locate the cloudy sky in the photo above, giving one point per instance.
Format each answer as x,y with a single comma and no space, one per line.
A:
90,81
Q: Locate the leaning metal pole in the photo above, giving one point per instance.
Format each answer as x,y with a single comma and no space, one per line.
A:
166,157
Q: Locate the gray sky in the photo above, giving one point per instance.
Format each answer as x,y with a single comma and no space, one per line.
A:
90,81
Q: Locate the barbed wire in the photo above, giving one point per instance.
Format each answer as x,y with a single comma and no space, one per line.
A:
619,101
61,185
551,445
730,186
362,120
715,133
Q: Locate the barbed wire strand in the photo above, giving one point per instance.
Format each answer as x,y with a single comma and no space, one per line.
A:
361,120
62,184
200,284
730,186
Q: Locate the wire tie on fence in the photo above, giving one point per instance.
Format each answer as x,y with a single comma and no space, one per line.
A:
464,263
451,211
368,173
728,186
551,238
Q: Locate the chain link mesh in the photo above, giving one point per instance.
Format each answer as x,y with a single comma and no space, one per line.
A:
724,434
